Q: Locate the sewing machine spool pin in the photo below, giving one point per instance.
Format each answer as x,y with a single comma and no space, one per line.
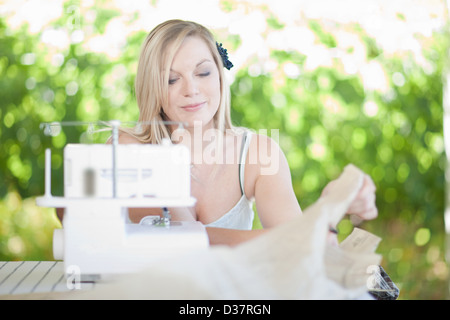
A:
115,141
48,180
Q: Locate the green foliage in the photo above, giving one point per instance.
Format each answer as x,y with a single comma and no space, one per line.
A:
327,118
25,229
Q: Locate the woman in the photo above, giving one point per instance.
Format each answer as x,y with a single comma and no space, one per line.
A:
180,78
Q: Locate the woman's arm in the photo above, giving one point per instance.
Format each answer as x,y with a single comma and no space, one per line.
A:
231,237
275,200
268,181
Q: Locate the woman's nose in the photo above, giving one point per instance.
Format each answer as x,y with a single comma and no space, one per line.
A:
191,88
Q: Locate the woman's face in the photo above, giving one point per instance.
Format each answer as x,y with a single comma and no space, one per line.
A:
194,84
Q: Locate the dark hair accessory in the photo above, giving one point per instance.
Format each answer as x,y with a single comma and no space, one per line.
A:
224,54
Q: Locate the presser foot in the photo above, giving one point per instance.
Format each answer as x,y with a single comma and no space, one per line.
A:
164,221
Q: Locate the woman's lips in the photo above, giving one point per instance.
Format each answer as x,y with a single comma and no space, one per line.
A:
193,107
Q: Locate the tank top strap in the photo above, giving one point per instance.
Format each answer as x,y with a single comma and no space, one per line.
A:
246,138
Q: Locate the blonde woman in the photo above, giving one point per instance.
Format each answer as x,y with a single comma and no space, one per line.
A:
180,78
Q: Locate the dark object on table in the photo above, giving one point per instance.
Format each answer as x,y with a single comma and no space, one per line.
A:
383,287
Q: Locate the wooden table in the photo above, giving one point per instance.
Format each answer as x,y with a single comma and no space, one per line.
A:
26,277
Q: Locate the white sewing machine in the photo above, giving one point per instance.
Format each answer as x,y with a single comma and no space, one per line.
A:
101,181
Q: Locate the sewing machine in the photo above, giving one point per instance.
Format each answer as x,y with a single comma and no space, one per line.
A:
101,181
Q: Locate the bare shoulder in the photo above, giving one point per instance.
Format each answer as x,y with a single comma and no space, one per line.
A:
125,138
266,152
265,162
261,141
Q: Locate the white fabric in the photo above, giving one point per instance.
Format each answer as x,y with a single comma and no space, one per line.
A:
292,261
241,216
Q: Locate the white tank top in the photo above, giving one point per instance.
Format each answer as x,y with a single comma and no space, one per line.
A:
241,215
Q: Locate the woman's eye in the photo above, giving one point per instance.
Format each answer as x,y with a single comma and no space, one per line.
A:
201,74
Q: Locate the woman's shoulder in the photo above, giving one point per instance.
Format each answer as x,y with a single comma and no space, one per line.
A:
266,153
264,146
260,145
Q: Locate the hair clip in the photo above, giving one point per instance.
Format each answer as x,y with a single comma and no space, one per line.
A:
224,54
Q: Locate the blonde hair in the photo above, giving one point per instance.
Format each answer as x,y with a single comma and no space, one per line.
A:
152,78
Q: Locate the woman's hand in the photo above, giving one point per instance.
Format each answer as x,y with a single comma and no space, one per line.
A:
363,206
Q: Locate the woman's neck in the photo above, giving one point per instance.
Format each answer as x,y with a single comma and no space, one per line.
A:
204,142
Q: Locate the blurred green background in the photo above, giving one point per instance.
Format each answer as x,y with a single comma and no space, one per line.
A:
365,89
